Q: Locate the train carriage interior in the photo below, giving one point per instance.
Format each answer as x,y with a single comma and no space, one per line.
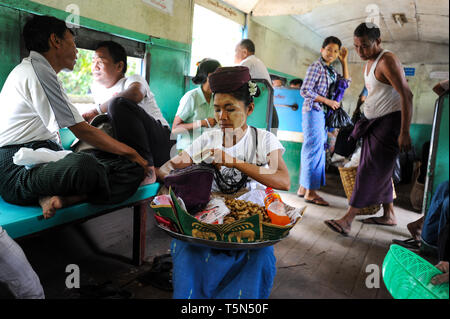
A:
116,249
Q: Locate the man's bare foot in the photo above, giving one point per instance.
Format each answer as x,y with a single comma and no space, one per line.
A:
50,204
150,178
415,228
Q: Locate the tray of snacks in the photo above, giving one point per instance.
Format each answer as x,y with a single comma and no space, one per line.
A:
226,222
218,244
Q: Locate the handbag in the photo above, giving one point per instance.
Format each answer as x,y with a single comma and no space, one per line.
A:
192,184
102,123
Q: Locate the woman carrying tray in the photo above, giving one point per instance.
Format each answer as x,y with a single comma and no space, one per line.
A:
246,157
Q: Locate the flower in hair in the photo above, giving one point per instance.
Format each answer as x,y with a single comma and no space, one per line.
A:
252,87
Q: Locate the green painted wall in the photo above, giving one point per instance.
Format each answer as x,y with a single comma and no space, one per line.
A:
292,158
9,42
420,133
441,172
169,59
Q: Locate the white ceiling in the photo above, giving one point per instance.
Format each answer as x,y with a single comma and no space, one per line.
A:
427,20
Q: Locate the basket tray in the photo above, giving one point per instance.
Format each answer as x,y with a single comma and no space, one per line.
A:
219,244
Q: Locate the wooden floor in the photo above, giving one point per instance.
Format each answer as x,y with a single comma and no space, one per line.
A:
317,263
313,262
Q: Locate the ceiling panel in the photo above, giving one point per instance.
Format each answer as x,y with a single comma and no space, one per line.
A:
427,20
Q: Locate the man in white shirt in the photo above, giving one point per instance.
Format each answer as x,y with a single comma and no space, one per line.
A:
33,107
245,56
130,106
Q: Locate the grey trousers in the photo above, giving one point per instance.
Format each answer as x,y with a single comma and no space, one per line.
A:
16,271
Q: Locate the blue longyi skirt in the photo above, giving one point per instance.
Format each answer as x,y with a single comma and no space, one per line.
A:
205,273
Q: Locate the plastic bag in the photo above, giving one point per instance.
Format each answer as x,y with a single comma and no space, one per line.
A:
30,158
214,212
338,118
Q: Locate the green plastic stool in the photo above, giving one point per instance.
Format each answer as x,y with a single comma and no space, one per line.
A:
407,276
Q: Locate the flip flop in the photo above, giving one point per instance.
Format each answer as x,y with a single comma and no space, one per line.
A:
335,227
409,243
373,221
300,195
317,201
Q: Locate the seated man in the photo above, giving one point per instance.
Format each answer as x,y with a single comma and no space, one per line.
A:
130,105
431,227
33,107
295,83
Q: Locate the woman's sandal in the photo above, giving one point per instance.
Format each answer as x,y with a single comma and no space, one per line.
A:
317,201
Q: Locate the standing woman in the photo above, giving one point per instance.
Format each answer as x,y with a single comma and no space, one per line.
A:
316,91
196,110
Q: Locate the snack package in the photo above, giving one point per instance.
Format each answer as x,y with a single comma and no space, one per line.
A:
214,212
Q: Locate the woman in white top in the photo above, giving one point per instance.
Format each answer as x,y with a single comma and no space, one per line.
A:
196,107
200,272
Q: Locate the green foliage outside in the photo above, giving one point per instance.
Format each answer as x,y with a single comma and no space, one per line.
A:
78,82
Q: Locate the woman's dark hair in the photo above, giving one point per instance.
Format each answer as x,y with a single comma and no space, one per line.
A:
116,51
331,39
38,29
243,94
205,67
371,30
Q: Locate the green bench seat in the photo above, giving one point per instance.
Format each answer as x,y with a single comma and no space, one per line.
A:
21,221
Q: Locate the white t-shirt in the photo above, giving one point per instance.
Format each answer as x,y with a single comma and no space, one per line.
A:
102,94
257,68
243,150
33,105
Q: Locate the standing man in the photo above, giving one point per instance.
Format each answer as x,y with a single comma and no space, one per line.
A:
245,55
131,106
385,129
33,107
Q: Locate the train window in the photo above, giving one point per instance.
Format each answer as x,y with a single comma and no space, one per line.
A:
77,82
213,36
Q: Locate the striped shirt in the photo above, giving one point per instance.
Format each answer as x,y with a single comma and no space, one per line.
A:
317,82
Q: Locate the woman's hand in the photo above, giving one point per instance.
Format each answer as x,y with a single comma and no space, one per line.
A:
333,104
343,54
221,158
